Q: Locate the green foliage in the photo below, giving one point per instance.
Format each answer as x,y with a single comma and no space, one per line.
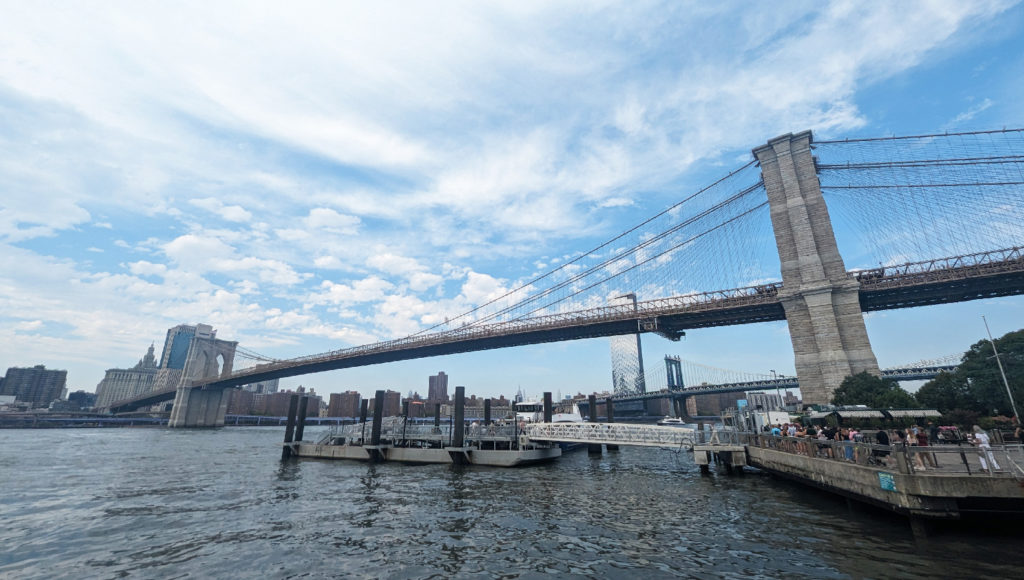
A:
976,390
978,369
867,389
947,392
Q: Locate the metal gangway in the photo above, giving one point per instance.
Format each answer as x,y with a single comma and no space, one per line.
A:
612,434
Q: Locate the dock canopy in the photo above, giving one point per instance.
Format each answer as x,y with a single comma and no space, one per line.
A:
875,413
860,414
894,413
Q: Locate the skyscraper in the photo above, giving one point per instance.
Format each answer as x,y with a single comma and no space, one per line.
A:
120,384
35,385
627,357
437,388
175,353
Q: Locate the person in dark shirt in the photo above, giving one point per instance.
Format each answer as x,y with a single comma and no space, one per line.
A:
882,438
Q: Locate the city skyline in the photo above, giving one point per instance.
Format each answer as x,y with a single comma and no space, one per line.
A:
334,177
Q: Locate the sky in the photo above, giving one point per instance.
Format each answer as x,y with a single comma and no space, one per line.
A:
310,176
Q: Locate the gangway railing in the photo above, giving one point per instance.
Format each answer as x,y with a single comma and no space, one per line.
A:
611,434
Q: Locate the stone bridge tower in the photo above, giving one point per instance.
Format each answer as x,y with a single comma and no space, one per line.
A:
208,358
822,303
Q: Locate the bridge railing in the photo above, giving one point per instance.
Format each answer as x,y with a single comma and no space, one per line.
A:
761,294
953,268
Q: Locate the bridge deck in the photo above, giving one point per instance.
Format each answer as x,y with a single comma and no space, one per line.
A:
983,275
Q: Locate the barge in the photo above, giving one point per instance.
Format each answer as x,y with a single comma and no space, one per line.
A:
498,445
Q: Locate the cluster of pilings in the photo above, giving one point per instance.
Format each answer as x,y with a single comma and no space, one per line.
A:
595,448
297,419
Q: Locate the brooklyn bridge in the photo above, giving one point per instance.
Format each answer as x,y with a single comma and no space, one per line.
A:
921,220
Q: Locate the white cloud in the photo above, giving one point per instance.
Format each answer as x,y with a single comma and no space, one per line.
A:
233,213
200,254
322,218
416,157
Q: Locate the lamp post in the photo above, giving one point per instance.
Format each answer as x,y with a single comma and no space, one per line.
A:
782,404
1001,372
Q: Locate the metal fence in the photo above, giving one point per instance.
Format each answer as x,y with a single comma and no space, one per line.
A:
997,461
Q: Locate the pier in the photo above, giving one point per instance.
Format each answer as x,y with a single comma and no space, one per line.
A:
930,482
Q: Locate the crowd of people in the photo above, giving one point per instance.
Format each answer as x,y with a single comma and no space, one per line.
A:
815,440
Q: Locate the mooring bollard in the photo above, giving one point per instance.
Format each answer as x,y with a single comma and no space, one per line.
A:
289,430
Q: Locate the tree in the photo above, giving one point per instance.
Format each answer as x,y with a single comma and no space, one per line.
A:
947,392
877,393
979,371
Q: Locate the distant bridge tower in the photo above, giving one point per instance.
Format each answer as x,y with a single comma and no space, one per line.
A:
627,358
208,357
822,305
674,372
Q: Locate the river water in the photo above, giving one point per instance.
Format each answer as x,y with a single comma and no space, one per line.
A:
172,503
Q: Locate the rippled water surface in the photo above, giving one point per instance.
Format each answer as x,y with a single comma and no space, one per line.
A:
159,503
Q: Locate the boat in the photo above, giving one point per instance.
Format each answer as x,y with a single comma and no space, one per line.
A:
668,421
533,412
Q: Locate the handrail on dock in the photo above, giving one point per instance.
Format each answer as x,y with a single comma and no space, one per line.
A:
942,459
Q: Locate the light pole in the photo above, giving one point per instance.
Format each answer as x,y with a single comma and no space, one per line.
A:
1001,372
778,393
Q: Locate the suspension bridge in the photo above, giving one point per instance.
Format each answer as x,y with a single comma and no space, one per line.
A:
921,220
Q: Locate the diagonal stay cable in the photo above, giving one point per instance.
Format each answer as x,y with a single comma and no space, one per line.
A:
589,252
654,257
620,255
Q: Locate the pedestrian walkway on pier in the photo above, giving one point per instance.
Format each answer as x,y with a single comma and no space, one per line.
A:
901,477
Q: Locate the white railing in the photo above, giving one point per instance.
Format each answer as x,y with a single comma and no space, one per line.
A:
611,434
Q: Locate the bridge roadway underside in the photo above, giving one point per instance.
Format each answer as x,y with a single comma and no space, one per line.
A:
881,296
907,295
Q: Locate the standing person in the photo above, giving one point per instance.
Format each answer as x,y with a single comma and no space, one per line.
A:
1019,434
981,440
922,441
882,438
933,433
911,439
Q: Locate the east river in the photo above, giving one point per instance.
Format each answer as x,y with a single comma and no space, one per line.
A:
166,503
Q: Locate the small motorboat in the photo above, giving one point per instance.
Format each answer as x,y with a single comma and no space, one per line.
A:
673,422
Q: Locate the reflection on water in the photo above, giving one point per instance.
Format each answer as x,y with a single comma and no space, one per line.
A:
220,504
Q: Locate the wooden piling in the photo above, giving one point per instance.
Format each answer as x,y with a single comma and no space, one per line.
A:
378,417
363,404
487,412
610,412
594,448
300,418
289,430
547,408
459,421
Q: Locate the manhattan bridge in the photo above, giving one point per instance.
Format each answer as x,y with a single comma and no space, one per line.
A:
811,232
